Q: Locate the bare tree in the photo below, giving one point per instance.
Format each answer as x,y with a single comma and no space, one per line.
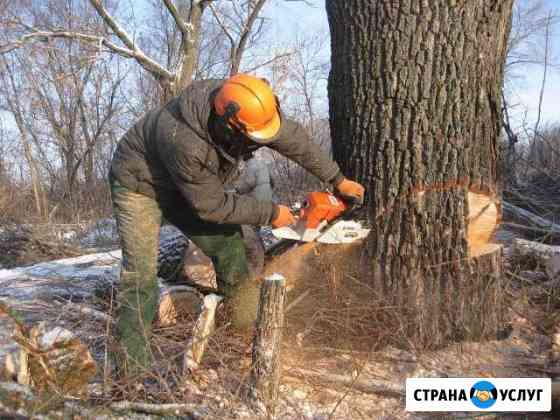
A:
183,54
71,99
12,89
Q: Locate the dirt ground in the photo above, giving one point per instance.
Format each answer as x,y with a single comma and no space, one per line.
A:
339,344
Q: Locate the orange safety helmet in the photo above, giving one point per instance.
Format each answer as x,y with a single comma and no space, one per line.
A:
248,103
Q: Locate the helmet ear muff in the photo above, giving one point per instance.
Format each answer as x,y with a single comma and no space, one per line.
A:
230,115
231,110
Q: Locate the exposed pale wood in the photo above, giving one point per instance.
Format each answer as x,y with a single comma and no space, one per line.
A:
56,360
176,302
202,330
483,221
266,365
192,410
363,385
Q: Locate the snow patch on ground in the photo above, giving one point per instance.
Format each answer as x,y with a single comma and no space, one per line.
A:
83,266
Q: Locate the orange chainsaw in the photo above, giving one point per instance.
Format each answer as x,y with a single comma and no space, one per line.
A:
324,218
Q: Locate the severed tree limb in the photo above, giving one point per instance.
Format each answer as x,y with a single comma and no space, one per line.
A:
84,310
526,221
524,248
546,256
372,386
192,410
202,330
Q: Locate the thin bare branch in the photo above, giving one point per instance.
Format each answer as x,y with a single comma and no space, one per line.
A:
133,50
112,23
545,72
237,52
184,27
267,62
222,25
150,65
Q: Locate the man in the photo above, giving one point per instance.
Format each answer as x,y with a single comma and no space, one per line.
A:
173,164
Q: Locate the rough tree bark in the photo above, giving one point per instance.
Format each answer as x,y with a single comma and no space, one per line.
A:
415,115
266,366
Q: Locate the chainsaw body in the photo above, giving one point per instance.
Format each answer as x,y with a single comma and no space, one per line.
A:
319,216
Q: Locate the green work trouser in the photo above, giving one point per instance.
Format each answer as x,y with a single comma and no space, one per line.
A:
139,219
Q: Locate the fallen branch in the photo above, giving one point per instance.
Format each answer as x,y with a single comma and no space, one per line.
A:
79,310
192,410
528,222
296,301
202,330
545,256
369,386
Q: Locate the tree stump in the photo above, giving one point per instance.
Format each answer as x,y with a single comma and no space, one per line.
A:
266,367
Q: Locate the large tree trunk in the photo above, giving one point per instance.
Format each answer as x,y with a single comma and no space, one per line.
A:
415,115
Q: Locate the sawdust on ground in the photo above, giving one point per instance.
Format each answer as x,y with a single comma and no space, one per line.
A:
330,304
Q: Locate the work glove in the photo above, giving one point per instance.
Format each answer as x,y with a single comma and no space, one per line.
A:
283,217
351,191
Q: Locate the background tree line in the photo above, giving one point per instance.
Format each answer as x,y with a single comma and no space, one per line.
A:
75,74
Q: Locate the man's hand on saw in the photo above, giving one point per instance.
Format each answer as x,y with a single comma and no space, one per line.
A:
283,217
351,190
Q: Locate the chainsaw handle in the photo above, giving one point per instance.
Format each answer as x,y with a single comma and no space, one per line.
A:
351,200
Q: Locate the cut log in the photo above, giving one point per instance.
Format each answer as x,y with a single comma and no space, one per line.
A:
53,359
530,224
203,329
176,302
266,367
537,255
192,411
180,261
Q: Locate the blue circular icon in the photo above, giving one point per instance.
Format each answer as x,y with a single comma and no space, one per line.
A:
484,394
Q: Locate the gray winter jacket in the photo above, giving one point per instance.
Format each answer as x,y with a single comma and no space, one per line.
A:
180,150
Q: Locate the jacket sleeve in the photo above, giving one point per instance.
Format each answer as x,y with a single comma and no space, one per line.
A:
204,191
295,144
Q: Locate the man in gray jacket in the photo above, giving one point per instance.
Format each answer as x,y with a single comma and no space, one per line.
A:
173,164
